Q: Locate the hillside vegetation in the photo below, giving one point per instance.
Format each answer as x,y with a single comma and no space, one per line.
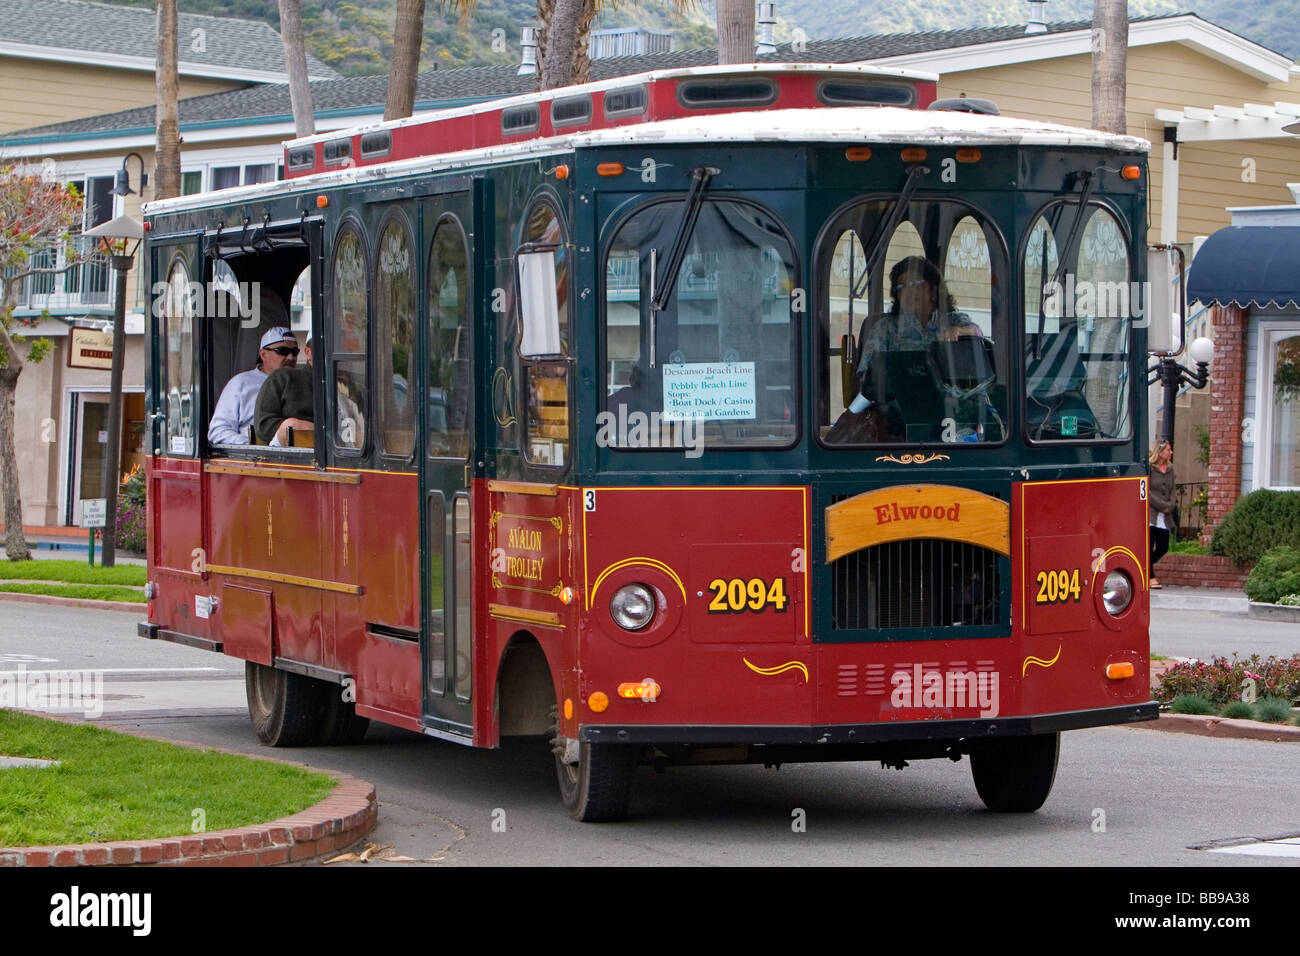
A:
355,36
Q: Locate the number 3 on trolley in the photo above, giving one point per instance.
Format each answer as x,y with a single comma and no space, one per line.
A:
1057,587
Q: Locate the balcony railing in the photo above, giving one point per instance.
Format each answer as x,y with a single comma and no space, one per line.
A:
88,284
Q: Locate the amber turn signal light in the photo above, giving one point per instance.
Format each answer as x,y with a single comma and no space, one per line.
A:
322,201
1131,172
857,154
598,701
1119,671
646,690
609,169
914,154
561,171
968,155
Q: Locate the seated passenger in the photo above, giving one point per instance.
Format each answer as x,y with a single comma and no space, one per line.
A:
234,412
285,401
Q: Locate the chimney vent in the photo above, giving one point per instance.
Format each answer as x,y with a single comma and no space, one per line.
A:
1037,17
766,27
528,40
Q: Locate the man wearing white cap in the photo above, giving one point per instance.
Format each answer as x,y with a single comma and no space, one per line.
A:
234,412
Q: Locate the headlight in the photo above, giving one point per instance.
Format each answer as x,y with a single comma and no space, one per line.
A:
1116,592
632,607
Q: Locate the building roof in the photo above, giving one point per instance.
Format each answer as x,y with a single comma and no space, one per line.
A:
107,35
365,95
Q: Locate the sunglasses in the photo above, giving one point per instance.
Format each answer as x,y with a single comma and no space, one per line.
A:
913,284
282,350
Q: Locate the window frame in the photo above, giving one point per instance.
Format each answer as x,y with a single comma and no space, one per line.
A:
465,325
798,326
379,410
350,222
1137,376
1273,330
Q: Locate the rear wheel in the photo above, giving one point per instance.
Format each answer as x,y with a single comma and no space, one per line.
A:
598,787
341,725
1015,774
287,710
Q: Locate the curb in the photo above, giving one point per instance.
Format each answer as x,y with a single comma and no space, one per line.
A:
1222,727
1275,612
72,602
340,820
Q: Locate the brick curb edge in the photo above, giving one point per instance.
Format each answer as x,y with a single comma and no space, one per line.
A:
1224,727
341,819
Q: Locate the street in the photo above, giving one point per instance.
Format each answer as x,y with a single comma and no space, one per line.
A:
1123,796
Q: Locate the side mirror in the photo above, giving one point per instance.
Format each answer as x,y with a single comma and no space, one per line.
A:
1166,299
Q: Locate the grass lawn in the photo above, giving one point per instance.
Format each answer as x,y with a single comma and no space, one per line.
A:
111,786
97,592
72,572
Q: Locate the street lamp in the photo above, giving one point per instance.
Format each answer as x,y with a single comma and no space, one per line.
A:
1172,375
122,182
119,237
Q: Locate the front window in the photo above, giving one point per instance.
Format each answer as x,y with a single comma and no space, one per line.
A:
913,325
715,365
1280,405
1078,303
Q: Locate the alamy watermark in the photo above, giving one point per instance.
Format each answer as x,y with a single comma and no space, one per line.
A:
54,692
620,428
229,300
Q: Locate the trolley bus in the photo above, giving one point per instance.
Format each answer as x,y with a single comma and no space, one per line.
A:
625,435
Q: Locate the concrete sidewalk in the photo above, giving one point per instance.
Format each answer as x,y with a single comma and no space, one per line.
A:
1199,599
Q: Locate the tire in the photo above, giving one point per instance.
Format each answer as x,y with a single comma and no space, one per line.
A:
341,726
287,710
1015,774
598,788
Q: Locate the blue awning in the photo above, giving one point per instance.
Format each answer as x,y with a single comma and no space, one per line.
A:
1248,265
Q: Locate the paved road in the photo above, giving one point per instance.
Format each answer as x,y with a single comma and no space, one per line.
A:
1123,796
1203,634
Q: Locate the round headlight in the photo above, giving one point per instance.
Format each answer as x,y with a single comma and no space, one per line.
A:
632,607
1116,592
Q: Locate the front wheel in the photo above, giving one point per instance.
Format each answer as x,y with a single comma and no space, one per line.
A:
286,709
598,787
1015,774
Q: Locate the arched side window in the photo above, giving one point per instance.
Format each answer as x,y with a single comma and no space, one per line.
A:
450,342
542,283
1078,325
395,279
350,325
179,389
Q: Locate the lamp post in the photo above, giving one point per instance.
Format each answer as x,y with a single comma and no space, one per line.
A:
1172,375
120,237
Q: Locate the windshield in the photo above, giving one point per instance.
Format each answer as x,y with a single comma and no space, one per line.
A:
1077,327
715,366
915,348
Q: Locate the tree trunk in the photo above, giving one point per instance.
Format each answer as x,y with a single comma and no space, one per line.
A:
408,37
581,61
11,366
736,31
562,35
545,14
295,65
1109,63
167,169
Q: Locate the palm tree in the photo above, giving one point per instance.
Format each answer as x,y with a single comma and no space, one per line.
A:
1109,62
404,74
295,65
167,161
736,31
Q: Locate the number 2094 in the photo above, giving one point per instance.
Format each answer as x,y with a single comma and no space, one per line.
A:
1057,587
738,594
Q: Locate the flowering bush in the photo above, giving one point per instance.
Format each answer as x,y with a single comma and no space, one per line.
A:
131,513
1221,680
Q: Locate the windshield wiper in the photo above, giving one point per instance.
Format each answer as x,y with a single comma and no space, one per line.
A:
1067,254
914,174
659,295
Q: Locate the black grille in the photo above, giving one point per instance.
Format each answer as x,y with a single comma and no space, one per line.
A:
926,582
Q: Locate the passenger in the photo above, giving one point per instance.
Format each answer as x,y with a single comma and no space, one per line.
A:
286,401
234,412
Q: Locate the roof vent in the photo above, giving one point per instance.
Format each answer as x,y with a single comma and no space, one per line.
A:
528,41
966,104
1037,17
766,28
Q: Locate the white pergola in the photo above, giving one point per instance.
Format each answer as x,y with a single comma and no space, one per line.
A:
1194,124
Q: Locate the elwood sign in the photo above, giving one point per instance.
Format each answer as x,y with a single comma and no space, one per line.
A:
90,348
902,512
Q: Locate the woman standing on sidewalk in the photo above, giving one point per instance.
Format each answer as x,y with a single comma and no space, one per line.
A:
1160,498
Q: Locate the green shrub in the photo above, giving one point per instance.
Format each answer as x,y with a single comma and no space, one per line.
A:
1238,710
1192,704
1222,680
1275,576
1273,710
1258,521
1289,600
